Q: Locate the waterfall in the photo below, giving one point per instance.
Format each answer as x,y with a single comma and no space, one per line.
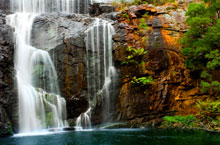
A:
40,104
100,68
84,121
48,6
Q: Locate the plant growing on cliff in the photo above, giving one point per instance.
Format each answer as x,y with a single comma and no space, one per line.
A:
208,117
134,55
142,81
142,26
138,2
209,113
125,15
145,15
201,43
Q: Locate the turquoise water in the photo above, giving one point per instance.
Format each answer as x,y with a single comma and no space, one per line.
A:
119,137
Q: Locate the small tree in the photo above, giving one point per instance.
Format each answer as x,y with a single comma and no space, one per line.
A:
201,44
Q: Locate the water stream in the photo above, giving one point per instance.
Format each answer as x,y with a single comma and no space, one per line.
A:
119,137
100,69
40,104
48,6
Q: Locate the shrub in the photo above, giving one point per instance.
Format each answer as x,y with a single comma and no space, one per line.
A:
201,43
142,81
187,121
134,55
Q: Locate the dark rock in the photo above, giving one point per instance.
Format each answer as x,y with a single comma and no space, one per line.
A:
8,95
65,34
69,129
4,4
112,16
170,93
5,124
97,9
157,23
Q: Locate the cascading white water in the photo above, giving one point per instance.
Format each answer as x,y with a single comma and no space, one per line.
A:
40,103
100,68
47,6
83,121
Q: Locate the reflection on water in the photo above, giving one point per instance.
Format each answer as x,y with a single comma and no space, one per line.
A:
119,137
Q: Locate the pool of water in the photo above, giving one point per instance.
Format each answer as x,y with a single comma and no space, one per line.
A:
118,137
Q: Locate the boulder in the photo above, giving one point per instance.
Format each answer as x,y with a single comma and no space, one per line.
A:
97,9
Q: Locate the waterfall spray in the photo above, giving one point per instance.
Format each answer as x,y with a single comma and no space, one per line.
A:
40,104
48,6
100,68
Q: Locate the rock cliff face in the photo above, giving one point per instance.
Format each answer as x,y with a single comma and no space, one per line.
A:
173,90
8,97
64,39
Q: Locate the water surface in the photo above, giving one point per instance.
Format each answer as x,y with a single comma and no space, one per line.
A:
119,137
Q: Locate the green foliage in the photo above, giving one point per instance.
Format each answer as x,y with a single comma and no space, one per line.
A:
208,117
143,25
187,121
145,15
138,2
209,113
155,2
205,86
142,81
134,55
214,86
123,3
201,43
214,59
125,15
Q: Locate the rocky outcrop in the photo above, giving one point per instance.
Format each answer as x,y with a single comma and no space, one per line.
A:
97,9
173,91
4,4
63,37
8,97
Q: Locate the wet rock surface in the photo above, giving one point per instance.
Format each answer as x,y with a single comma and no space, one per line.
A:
64,39
5,124
8,97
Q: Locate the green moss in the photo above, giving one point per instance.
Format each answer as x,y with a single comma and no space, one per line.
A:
186,121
